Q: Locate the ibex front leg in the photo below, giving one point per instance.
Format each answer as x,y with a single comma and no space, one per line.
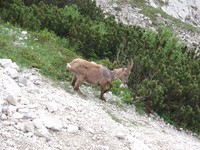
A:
74,78
110,86
79,81
102,92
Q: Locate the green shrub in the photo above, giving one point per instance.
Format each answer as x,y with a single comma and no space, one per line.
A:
169,76
122,91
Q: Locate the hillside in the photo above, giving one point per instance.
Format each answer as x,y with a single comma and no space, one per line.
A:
181,16
39,109
37,114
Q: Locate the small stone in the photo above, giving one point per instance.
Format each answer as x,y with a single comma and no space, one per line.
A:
6,63
30,134
29,126
18,115
130,138
40,129
23,110
7,123
6,111
91,130
11,100
12,109
38,123
37,82
29,115
120,136
10,86
13,73
4,117
22,81
20,84
20,126
43,133
72,129
52,123
24,101
52,107
15,66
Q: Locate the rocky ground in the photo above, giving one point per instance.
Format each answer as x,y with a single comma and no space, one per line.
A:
35,113
185,10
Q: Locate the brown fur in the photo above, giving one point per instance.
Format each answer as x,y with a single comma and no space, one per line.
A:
85,71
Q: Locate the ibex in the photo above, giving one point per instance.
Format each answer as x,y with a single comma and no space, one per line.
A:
85,71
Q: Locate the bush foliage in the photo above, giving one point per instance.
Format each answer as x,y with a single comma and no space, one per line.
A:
164,71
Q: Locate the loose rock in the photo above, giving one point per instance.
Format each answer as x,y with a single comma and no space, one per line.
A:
72,129
12,100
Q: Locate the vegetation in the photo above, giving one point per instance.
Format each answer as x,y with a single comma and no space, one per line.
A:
165,74
42,50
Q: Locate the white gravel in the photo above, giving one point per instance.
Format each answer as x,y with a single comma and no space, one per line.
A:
45,116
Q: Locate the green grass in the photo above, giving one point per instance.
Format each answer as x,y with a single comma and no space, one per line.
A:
42,50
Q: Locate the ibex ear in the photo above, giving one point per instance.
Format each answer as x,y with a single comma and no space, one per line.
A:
68,66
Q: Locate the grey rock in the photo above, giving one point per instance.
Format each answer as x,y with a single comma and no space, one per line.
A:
30,116
37,82
7,123
40,129
22,81
17,115
38,123
10,86
20,126
15,66
43,132
11,99
13,73
120,136
6,63
91,130
12,109
4,117
8,110
52,123
52,106
72,129
29,126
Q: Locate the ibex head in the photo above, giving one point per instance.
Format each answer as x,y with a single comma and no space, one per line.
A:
123,73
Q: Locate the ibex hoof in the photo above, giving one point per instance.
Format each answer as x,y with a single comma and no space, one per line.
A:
103,98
